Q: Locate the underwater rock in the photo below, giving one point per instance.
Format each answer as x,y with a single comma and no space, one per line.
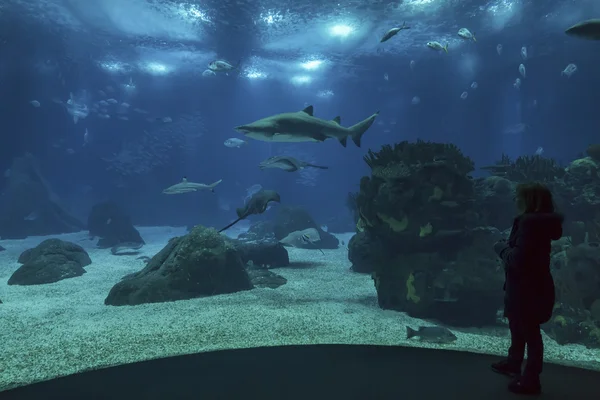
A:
362,252
261,277
51,261
268,252
110,223
419,197
572,325
292,219
340,225
464,290
201,263
258,231
28,207
534,168
593,151
576,230
495,201
576,274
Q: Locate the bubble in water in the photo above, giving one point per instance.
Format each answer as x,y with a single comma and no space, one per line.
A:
499,49
474,85
464,95
415,100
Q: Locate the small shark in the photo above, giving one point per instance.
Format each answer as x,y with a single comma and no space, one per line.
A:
185,187
302,126
256,205
286,163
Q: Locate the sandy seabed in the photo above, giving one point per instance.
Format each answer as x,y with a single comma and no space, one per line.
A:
47,331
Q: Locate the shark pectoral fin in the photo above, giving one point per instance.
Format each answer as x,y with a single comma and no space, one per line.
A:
308,110
343,140
320,138
337,120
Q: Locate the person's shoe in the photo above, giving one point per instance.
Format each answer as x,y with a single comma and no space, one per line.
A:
507,368
521,386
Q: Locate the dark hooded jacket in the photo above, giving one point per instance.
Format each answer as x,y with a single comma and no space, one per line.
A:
529,287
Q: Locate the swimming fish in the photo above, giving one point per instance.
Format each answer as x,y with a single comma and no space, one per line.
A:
234,143
257,204
222,66
126,248
431,334
466,34
437,46
392,32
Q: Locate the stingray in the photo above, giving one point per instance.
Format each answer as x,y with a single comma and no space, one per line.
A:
256,205
301,238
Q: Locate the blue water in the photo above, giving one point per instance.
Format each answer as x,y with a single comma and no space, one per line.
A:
152,55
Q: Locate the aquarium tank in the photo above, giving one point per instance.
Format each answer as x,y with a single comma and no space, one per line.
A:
188,178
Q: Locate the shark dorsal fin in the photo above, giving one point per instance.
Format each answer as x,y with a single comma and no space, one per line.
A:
184,179
337,120
308,110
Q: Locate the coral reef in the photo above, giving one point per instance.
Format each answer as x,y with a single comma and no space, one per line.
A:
527,169
418,196
425,230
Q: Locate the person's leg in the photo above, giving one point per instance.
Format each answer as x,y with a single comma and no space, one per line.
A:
535,355
518,338
516,352
529,383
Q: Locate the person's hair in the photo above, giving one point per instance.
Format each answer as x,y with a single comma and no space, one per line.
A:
534,197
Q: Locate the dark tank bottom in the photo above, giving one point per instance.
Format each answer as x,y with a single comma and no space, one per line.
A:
310,372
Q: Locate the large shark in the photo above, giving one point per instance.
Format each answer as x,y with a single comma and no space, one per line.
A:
302,126
589,29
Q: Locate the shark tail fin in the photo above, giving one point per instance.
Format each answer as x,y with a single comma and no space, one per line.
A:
213,185
359,129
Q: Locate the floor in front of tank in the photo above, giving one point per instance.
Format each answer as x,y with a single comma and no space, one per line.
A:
63,328
311,372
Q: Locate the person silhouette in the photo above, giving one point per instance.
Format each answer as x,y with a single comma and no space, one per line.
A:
529,286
